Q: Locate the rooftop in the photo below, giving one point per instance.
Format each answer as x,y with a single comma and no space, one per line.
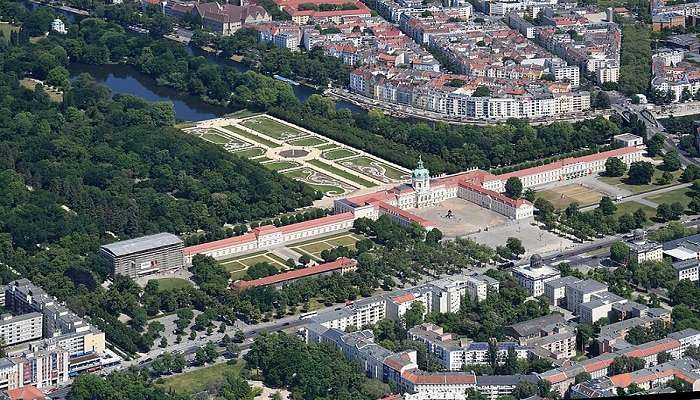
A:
141,244
533,326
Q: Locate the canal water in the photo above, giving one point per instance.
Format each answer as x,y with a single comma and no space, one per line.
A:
126,79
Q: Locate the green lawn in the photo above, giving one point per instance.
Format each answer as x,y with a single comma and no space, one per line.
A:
303,173
198,380
270,127
242,114
338,153
250,152
630,207
620,182
6,28
680,195
215,138
340,172
280,165
389,171
307,141
173,283
250,136
324,147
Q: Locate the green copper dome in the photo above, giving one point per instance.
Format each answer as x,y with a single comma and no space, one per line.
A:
421,173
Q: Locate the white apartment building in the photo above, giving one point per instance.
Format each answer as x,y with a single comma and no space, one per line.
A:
582,292
645,251
21,328
687,269
533,278
555,290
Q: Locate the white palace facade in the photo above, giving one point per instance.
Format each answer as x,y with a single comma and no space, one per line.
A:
476,186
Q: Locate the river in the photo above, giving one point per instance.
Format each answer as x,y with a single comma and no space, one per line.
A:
126,79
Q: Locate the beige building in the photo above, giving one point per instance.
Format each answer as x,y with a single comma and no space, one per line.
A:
21,328
645,251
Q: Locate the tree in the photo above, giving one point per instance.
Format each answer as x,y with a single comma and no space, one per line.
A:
514,187
238,337
59,77
232,349
473,394
619,252
515,246
615,167
304,259
582,377
163,342
640,173
524,389
482,91
640,218
665,178
654,145
624,364
669,212
414,315
690,173
584,333
607,206
663,357
602,100
433,236
672,161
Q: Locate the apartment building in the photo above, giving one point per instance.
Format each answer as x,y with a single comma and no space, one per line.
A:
535,328
612,334
226,19
450,292
144,255
646,379
454,353
562,378
581,292
555,290
600,306
534,276
688,269
21,328
645,251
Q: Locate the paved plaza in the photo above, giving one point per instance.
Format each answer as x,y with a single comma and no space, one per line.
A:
466,217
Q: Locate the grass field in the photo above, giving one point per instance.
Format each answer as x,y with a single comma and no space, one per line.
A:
270,127
338,153
340,172
620,182
632,206
562,196
173,283
389,171
324,147
251,152
198,380
316,246
7,28
215,138
302,174
30,84
242,114
250,136
678,195
237,265
307,141
280,165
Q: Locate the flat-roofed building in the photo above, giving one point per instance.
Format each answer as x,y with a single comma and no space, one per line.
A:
580,292
687,269
555,290
645,251
534,328
144,255
533,278
21,328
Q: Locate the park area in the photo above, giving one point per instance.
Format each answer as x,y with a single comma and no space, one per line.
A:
238,265
562,196
172,283
314,247
329,167
199,380
621,182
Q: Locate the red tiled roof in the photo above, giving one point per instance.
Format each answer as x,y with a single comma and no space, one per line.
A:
439,378
330,219
217,244
403,298
402,213
645,351
296,274
568,161
598,365
26,393
265,230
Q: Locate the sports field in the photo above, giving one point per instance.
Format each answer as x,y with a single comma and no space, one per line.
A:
314,247
562,196
270,127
